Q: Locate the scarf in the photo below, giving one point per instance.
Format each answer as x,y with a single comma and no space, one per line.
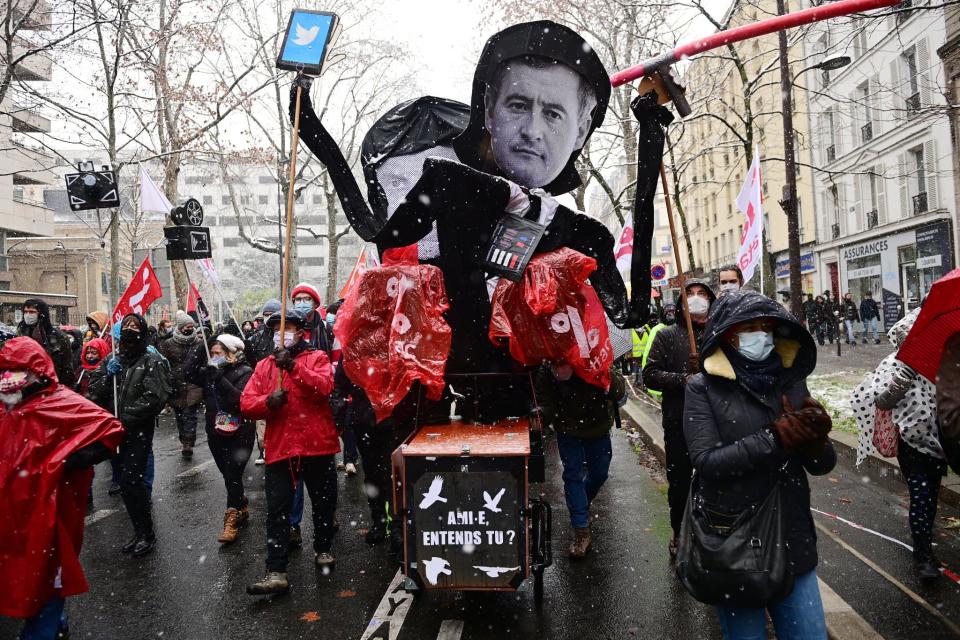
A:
760,377
179,338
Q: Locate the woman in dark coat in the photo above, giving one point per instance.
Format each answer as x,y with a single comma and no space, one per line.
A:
229,435
749,421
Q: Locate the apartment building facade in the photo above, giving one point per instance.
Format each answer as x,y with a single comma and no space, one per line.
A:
712,159
884,162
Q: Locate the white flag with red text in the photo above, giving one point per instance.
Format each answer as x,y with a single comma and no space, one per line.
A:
623,251
750,203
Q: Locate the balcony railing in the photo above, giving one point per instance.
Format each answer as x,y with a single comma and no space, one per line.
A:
866,132
835,231
920,203
831,153
873,219
913,103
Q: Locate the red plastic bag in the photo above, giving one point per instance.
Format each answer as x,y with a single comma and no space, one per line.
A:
392,331
554,315
885,434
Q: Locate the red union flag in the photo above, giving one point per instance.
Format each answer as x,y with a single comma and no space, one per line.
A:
750,202
364,261
143,290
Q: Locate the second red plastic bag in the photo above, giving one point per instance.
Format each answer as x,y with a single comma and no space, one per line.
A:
553,314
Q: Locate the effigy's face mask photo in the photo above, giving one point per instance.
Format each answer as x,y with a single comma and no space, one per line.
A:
538,114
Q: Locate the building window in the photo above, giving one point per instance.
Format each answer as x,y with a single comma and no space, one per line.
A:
316,198
918,188
225,199
911,85
263,199
830,124
859,38
864,111
265,179
245,199
208,199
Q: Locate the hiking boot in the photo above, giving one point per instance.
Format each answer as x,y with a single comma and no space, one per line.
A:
260,460
350,469
926,566
296,538
186,450
581,543
325,561
114,489
274,583
129,545
244,514
340,466
145,544
672,548
231,523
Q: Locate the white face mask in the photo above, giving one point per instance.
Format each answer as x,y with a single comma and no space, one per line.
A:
731,287
755,345
698,306
31,318
288,339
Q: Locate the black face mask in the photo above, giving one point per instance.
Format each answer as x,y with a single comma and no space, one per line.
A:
130,336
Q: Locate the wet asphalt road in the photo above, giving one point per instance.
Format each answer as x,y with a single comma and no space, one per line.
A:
191,588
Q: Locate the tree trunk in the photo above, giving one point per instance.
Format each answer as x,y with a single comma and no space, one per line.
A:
177,269
333,243
114,257
691,260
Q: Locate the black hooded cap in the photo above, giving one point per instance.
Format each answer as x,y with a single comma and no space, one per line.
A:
741,306
135,350
43,309
547,39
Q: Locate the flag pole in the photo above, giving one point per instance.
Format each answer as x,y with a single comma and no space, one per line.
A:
285,278
676,255
203,333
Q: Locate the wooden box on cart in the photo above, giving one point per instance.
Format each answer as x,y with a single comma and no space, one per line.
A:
461,491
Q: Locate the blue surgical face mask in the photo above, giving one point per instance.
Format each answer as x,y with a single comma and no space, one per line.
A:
755,345
303,306
330,318
218,360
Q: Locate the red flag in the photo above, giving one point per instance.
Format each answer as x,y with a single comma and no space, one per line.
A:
196,303
358,270
143,290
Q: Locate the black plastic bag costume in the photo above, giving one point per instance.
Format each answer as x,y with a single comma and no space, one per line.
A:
453,196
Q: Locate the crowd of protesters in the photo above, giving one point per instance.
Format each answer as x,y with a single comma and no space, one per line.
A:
737,416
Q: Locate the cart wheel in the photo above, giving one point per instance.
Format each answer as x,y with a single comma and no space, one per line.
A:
538,588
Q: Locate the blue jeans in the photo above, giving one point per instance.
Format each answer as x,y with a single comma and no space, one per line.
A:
296,509
47,622
580,486
147,476
871,325
799,616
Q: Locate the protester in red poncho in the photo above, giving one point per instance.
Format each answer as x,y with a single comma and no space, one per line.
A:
50,438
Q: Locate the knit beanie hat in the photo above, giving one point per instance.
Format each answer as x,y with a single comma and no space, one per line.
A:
271,307
307,288
231,343
182,318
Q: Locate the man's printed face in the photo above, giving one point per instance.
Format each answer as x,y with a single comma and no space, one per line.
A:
536,123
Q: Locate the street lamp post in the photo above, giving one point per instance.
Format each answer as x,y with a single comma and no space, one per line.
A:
789,203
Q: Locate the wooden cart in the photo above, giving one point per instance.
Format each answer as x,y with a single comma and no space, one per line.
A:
470,522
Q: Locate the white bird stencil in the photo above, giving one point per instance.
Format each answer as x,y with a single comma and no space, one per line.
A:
305,36
433,494
434,567
494,572
493,503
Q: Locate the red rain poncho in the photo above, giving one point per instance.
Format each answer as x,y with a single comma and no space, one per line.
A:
554,315
43,504
393,333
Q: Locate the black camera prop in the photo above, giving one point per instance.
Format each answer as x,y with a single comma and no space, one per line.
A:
190,213
187,240
89,189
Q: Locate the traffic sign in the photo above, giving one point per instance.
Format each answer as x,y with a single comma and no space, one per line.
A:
658,272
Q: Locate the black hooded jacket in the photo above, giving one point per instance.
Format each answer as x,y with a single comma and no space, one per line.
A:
54,342
143,386
669,360
728,427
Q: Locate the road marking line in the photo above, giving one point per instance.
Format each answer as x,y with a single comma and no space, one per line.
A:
390,613
899,585
450,630
195,470
98,515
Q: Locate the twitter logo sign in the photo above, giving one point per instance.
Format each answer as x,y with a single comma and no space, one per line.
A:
305,43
